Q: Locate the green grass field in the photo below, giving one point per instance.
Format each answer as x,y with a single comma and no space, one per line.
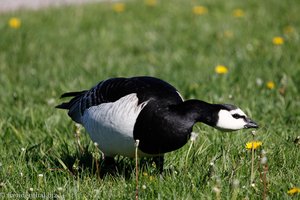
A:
57,50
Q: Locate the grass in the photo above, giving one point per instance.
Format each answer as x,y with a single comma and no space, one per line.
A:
72,48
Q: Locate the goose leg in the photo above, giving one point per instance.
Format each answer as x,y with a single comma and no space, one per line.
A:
159,162
109,165
109,161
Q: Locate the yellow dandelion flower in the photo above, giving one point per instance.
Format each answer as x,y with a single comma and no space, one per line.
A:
194,86
145,174
14,23
288,29
270,85
228,34
151,178
293,191
221,69
253,145
200,10
238,13
278,40
151,3
119,7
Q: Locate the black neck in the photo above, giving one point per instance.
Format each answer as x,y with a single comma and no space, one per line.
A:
198,111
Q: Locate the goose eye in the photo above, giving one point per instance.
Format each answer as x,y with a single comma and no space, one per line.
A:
236,116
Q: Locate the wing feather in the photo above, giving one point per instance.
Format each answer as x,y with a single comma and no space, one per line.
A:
112,89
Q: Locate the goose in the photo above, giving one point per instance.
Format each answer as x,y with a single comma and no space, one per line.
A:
118,111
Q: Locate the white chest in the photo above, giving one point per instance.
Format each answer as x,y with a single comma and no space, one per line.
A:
111,125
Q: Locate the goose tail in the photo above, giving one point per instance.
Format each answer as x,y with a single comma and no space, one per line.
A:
73,105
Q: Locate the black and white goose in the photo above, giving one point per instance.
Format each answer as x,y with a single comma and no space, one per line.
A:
118,111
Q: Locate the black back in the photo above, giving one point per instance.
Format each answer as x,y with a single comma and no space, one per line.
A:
110,90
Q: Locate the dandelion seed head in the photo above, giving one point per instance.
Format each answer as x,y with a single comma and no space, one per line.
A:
194,136
235,183
216,189
137,142
250,47
259,81
77,128
51,101
97,191
144,187
31,189
264,160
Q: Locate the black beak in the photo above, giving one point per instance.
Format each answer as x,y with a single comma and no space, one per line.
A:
251,124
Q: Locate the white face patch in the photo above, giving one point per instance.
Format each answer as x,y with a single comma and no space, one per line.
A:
238,111
226,120
111,125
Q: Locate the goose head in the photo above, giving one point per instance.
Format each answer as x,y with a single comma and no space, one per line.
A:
231,118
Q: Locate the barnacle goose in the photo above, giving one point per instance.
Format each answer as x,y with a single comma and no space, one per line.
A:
118,111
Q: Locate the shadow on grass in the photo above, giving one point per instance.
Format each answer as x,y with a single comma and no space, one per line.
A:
84,159
91,160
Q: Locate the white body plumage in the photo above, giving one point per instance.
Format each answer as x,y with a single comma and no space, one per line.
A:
111,125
